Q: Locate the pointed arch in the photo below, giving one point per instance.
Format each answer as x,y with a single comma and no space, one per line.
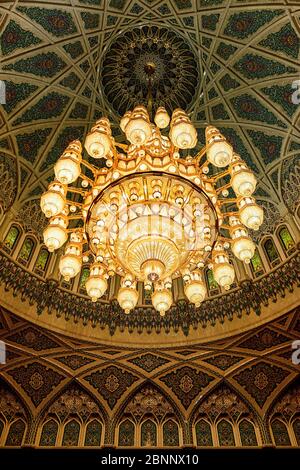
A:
280,433
223,401
126,433
27,250
147,401
16,433
93,433
296,429
225,433
287,402
148,433
12,238
14,414
282,413
71,433
72,402
156,388
247,433
224,388
286,239
80,388
171,436
49,433
203,433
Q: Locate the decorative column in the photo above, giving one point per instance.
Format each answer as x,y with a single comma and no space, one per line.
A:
54,274
295,228
9,216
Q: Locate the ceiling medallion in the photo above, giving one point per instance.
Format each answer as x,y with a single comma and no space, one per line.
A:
151,216
124,77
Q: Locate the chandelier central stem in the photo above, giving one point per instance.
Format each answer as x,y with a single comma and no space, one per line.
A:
150,68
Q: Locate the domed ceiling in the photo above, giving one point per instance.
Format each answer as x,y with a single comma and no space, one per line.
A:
230,63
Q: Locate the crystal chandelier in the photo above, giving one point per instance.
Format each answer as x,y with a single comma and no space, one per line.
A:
150,215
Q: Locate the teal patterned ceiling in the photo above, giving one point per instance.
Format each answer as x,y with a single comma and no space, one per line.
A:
247,55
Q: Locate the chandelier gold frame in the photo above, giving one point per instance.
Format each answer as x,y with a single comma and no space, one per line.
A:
151,215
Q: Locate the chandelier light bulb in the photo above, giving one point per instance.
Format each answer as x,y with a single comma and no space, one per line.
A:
219,151
53,201
251,215
67,167
243,248
96,284
196,292
162,300
71,262
182,132
98,141
168,283
55,235
243,180
127,298
224,274
138,129
69,266
161,119
223,271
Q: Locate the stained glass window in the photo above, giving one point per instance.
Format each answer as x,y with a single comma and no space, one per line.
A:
26,251
49,433
149,433
225,433
16,433
280,433
71,433
83,278
296,427
247,433
93,434
42,262
286,239
11,238
256,264
271,252
203,433
170,434
213,286
126,433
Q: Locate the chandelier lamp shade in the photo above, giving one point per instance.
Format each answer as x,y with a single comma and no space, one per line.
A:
150,214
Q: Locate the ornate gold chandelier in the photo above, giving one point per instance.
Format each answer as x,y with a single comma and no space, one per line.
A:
149,215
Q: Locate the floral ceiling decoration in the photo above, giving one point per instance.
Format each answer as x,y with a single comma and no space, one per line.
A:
229,67
230,64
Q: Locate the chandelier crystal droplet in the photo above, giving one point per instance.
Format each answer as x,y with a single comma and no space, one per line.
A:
149,215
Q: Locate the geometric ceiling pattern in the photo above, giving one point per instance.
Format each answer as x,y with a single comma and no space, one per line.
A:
246,59
257,365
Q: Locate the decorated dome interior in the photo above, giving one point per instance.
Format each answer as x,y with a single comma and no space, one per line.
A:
83,374
229,63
